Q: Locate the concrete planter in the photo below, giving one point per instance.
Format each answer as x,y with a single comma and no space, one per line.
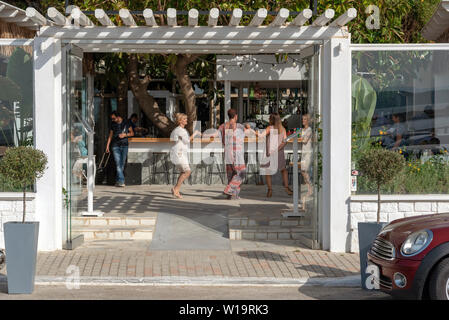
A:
367,233
21,254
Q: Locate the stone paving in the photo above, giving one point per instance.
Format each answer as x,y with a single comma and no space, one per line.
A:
246,259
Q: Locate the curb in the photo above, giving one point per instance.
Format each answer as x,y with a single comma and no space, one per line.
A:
349,281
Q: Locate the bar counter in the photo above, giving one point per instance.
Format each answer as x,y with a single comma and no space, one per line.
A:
137,144
148,161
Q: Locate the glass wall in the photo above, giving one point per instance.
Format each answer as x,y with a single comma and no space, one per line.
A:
16,101
400,101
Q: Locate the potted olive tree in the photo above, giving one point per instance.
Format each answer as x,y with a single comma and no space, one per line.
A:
22,166
379,166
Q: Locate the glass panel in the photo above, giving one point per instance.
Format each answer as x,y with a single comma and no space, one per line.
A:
401,102
16,101
76,141
310,164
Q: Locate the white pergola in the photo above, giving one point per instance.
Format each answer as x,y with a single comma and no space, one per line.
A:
76,28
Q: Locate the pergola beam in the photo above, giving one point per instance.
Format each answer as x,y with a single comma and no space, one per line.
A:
324,18
35,16
193,17
80,18
259,17
213,17
149,17
201,33
171,17
57,17
345,18
236,16
127,17
280,18
8,13
103,18
303,17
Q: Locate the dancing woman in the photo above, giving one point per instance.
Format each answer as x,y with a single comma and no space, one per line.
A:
275,134
233,138
179,154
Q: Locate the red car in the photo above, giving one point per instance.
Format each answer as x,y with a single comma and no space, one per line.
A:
411,256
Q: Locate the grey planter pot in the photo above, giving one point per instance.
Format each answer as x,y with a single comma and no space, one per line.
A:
21,254
367,233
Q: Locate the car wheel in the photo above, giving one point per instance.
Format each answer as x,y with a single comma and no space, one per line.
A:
439,281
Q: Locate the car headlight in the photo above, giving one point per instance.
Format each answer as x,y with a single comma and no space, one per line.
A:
416,242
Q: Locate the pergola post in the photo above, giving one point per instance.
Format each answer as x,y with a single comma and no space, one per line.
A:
240,111
336,125
48,138
227,102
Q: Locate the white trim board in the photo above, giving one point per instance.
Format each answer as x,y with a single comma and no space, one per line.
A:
16,196
402,197
399,46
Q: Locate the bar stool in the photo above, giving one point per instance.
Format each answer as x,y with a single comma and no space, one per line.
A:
255,166
219,165
164,157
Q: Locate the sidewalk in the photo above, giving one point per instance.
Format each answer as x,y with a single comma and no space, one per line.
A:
247,261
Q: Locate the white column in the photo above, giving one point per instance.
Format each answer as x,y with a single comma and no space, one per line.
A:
48,138
336,124
240,114
227,102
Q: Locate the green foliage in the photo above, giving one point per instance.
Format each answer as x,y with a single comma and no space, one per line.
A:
23,165
418,177
381,166
10,90
363,105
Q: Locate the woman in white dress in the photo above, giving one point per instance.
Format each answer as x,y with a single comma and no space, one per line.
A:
179,153
306,156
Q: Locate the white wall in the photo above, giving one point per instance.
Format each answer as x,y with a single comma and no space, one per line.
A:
48,138
336,125
11,209
364,209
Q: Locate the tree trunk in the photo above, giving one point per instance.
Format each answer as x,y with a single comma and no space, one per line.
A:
180,69
146,102
122,97
24,203
378,202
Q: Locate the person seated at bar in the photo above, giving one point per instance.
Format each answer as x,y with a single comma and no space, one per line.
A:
179,153
275,144
397,133
138,131
118,138
249,131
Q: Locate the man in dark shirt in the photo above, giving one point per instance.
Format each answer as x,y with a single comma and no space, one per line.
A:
138,131
118,140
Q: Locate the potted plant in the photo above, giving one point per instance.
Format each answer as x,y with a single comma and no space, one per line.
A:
379,166
22,166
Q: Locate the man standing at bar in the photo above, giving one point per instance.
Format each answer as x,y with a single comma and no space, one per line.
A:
233,138
118,138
